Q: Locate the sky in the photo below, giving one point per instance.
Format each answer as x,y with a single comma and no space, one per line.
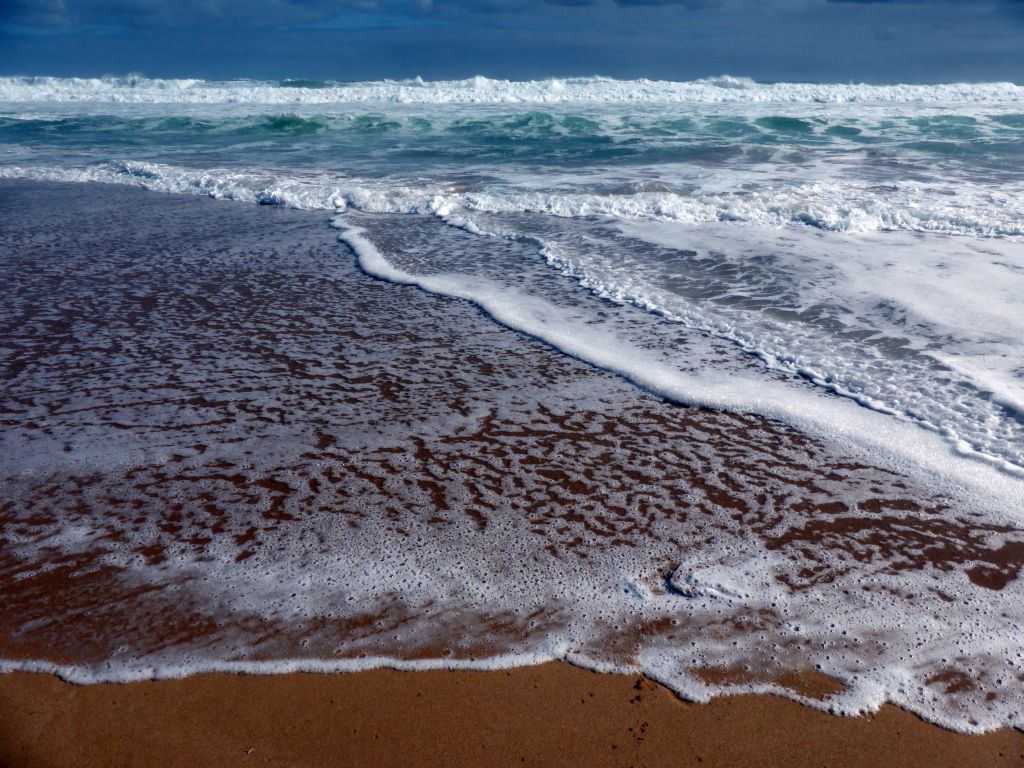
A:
769,40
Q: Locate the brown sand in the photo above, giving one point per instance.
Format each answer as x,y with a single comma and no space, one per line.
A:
432,357
554,714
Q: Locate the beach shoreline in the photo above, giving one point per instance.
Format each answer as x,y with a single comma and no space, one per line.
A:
235,397
552,714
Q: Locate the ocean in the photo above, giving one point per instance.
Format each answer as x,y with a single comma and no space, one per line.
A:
842,263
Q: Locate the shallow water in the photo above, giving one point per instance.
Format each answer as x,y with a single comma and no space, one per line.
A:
866,239
265,455
226,448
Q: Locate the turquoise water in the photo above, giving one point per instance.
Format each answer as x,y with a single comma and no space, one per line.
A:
404,139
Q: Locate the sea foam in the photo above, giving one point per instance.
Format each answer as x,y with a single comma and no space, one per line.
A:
857,278
482,90
845,259
837,206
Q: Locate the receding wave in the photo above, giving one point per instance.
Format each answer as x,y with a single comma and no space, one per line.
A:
423,491
982,424
852,270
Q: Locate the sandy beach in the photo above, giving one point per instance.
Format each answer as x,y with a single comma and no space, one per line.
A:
213,402
541,716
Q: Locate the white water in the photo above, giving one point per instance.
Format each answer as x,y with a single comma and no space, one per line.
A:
863,285
942,287
482,90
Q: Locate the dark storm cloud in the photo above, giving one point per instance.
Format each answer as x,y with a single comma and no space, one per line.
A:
270,12
686,3
47,12
161,12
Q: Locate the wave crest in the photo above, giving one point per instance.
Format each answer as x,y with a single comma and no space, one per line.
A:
483,90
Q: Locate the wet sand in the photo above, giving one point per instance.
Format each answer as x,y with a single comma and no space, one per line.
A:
216,390
553,714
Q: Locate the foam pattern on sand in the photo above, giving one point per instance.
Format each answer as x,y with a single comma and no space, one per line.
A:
226,448
925,329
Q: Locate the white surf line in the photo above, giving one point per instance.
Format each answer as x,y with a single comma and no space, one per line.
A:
915,452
